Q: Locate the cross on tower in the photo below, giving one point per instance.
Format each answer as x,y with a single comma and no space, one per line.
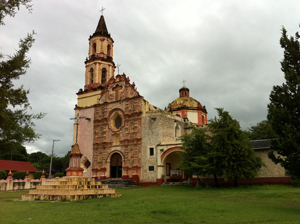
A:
118,66
183,82
77,119
101,10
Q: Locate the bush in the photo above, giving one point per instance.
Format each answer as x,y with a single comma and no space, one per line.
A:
295,181
38,174
19,175
3,174
59,175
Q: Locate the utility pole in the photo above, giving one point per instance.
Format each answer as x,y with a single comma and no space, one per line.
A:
51,158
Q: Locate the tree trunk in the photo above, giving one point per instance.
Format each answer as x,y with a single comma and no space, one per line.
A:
235,182
216,180
199,183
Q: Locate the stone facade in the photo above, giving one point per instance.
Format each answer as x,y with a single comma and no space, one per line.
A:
118,127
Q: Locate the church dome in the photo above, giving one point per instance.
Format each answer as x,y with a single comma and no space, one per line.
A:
185,101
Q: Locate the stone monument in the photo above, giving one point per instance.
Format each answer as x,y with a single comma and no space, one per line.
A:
73,187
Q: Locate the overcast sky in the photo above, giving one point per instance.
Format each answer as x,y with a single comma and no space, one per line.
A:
227,51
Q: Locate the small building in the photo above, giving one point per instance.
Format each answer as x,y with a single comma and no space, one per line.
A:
15,166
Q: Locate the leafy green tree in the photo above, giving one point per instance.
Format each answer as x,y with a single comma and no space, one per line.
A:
13,151
59,175
9,7
3,174
284,109
38,174
19,175
57,163
39,160
263,130
16,124
65,161
232,148
194,161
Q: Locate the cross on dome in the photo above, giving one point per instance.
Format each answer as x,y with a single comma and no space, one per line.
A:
183,82
101,10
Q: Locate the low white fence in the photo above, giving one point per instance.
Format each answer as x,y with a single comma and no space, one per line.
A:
13,185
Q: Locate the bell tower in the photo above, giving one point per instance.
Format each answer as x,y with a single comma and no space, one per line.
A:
99,66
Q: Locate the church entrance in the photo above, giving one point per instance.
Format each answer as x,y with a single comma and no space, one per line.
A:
116,166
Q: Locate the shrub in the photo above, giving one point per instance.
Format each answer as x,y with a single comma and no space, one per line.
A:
38,174
58,175
3,174
296,182
19,175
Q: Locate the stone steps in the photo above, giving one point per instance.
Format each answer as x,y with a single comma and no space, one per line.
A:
70,188
118,183
175,184
45,197
72,192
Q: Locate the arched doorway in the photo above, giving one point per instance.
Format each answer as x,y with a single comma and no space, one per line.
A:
171,161
116,166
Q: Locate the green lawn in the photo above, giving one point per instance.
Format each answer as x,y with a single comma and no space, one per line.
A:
163,204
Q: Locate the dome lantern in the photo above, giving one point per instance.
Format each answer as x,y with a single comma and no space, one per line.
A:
184,92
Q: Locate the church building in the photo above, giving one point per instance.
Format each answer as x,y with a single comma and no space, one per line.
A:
119,133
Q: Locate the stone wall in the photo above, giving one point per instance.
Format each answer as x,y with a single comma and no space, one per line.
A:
157,129
271,169
14,185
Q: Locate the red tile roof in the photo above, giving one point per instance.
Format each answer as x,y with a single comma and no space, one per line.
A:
16,166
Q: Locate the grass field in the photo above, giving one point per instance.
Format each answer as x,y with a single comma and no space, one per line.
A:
163,204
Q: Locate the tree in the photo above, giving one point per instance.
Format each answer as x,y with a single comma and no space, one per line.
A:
284,109
9,7
232,148
39,160
13,151
194,161
263,130
16,124
65,162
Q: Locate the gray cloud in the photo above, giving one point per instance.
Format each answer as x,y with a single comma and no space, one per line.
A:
227,51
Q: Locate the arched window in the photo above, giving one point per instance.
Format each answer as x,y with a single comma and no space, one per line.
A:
94,48
92,75
103,75
108,50
177,131
203,119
